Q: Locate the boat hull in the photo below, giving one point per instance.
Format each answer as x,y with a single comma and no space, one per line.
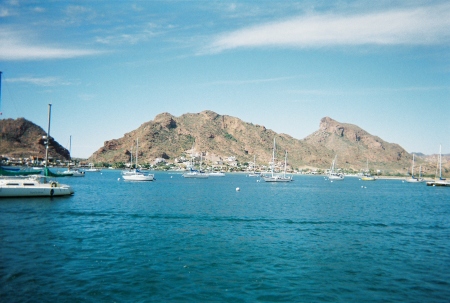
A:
195,175
368,179
414,180
336,177
438,183
277,179
138,177
216,174
31,187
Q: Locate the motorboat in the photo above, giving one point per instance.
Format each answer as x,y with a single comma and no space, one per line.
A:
32,186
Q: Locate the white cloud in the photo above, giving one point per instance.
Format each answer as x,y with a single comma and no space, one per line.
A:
252,81
44,81
4,12
418,26
15,46
136,35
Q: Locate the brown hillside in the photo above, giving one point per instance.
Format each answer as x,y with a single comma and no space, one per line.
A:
221,136
21,138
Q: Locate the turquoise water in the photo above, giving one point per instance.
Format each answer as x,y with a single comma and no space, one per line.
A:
188,240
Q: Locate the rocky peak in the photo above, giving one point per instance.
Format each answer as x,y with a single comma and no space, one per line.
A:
209,114
21,138
166,120
331,126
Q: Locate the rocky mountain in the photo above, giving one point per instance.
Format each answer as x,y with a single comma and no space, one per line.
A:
221,136
21,138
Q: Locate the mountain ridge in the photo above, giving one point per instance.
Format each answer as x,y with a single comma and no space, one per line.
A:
221,136
218,137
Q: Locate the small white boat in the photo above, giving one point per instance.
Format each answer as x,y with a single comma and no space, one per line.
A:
333,175
254,173
414,179
216,174
92,168
367,176
73,173
277,177
32,186
136,174
195,174
441,181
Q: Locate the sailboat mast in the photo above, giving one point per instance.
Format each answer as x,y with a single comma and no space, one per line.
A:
440,162
285,161
273,156
137,146
412,169
0,93
48,133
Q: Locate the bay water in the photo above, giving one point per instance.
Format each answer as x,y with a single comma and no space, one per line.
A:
201,240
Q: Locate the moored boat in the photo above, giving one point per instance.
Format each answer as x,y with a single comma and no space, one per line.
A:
367,176
414,179
73,173
13,171
32,186
333,175
439,181
193,173
277,177
216,174
136,174
92,168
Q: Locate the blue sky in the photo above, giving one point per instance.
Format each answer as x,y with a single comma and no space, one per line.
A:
109,66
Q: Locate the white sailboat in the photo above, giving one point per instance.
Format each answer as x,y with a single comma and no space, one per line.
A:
333,175
254,173
136,174
193,173
92,168
34,185
277,177
367,176
216,174
414,179
73,172
441,181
